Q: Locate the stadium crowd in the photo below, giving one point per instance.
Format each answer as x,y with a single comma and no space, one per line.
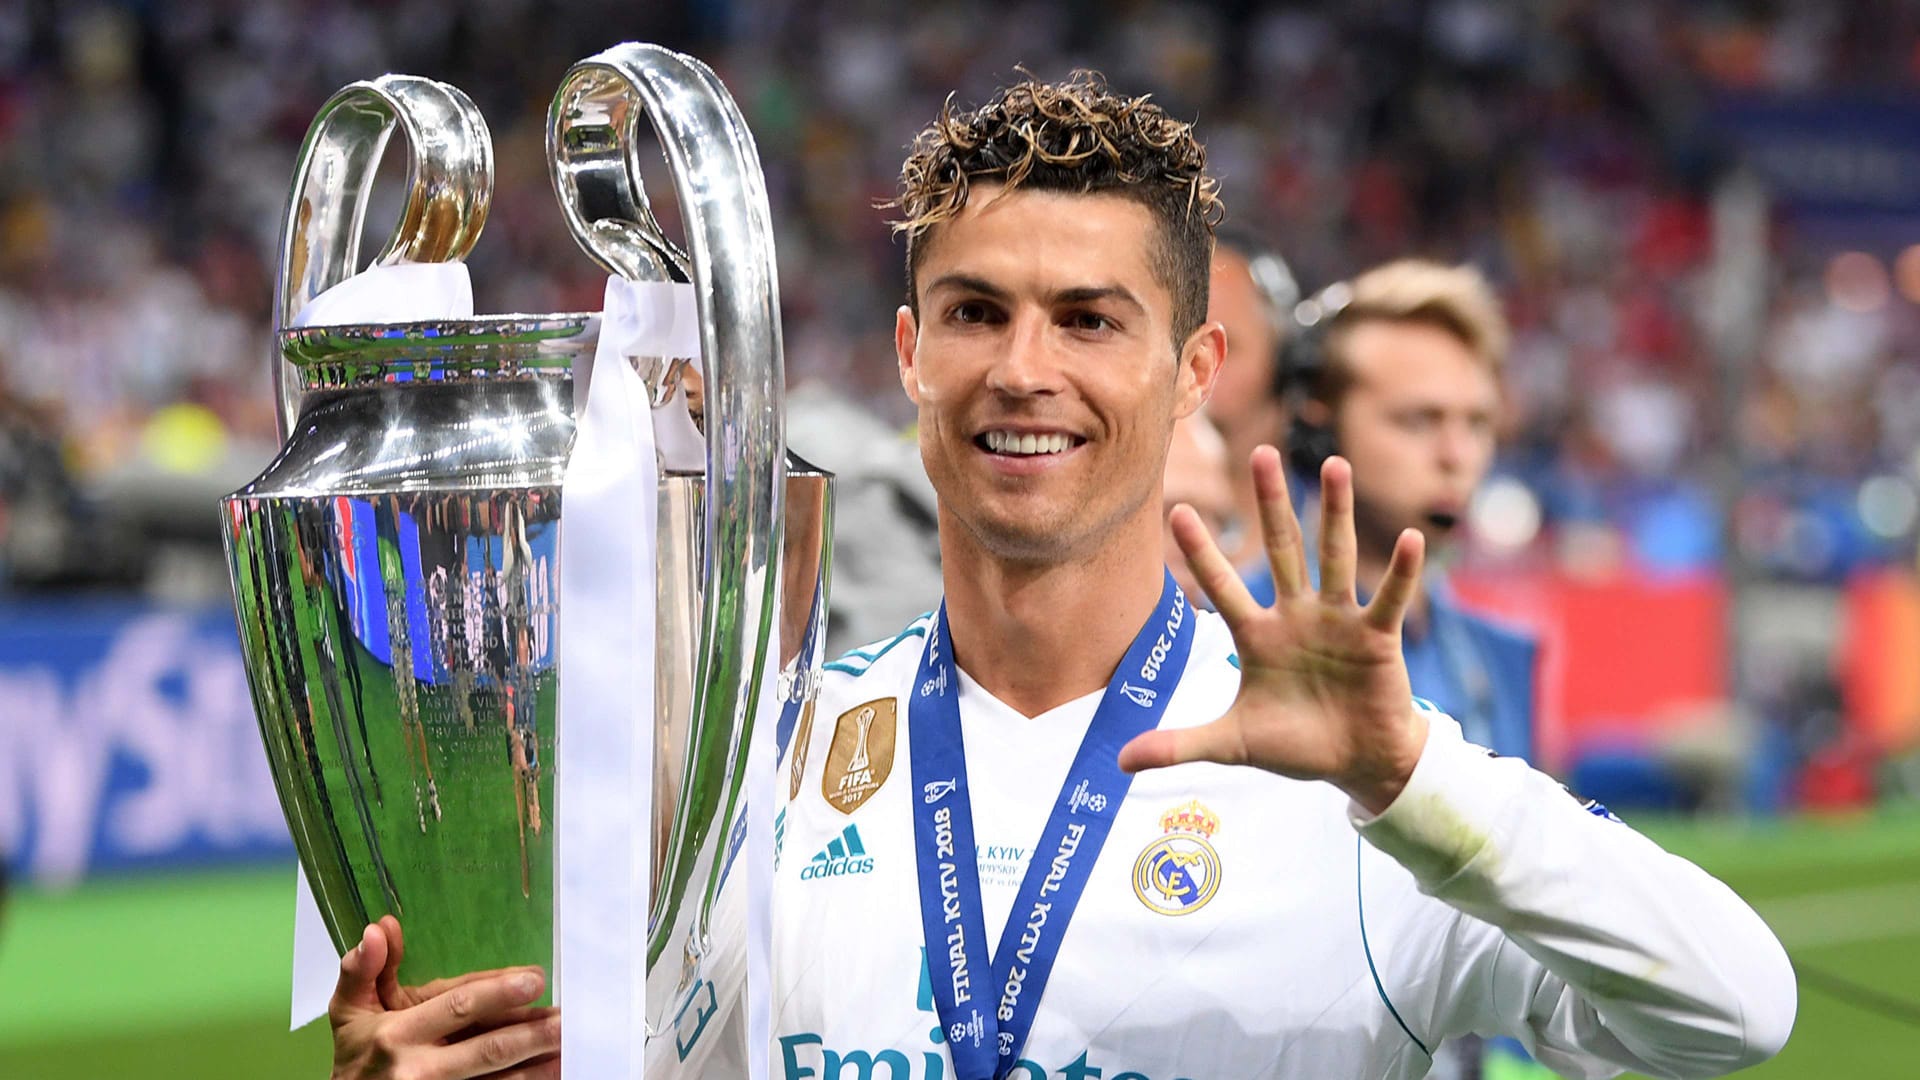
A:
145,151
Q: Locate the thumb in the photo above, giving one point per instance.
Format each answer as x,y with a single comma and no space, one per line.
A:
358,988
1218,742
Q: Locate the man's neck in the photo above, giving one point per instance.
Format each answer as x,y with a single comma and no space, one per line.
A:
1037,636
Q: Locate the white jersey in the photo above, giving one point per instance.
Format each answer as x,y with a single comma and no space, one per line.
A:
1300,937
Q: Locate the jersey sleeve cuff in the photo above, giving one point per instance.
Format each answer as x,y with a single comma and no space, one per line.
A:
1453,806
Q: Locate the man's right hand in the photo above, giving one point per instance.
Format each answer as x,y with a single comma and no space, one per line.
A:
475,1025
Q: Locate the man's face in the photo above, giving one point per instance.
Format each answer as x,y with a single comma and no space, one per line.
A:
1043,365
1417,422
1236,304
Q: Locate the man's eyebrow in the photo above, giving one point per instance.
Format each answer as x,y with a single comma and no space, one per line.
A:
968,283
1087,294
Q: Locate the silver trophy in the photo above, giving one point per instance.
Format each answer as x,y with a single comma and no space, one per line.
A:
394,568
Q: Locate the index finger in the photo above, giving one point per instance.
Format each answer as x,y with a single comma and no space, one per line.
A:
409,996
1211,568
481,1002
520,1051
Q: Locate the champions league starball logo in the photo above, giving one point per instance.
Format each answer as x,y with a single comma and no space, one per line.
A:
1180,872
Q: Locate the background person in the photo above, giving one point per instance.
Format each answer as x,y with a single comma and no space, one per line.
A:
1400,373
1401,376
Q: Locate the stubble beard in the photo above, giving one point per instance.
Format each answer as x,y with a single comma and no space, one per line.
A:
1058,530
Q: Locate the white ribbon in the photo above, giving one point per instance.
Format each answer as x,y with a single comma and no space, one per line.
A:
604,779
403,292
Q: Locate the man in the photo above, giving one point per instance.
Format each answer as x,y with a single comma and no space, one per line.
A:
1401,376
1300,871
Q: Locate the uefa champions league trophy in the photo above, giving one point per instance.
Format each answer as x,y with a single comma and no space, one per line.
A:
395,568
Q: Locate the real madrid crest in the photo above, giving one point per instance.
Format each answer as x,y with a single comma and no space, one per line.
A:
1178,873
861,756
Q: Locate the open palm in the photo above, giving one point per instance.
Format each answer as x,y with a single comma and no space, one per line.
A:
1323,688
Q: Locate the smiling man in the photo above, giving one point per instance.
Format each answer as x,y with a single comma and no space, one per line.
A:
1069,826
1301,872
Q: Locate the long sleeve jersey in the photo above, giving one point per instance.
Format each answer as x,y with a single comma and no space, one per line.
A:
1238,924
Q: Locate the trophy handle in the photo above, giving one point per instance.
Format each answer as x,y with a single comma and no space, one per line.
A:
592,150
449,187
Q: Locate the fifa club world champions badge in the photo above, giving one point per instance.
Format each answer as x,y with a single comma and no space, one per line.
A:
861,756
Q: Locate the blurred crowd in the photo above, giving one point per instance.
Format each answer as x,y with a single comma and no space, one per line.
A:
146,147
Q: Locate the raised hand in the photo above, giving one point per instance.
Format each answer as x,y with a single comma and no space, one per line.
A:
1323,687
476,1025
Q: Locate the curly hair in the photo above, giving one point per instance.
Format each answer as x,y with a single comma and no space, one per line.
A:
1074,136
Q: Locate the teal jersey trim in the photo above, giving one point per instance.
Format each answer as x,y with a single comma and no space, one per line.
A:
857,661
1359,890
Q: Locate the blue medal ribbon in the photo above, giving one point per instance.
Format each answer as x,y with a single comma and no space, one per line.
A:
986,1003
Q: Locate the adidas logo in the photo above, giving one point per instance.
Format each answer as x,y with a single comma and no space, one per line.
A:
843,855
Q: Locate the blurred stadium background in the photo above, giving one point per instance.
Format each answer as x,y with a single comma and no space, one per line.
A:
1704,217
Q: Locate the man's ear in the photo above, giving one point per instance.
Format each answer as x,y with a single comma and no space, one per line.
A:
906,338
1202,358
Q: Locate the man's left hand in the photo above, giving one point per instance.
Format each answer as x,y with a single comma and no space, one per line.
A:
1323,686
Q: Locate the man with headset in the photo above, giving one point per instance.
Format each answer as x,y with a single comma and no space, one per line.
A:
1398,371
